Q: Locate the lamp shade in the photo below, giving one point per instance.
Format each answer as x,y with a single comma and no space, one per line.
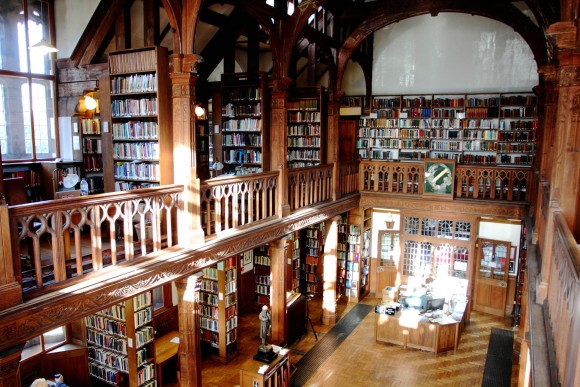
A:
90,103
43,47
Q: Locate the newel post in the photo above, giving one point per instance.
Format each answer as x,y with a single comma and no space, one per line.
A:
183,81
332,140
10,289
278,139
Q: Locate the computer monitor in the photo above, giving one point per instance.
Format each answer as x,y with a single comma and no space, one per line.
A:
435,304
414,302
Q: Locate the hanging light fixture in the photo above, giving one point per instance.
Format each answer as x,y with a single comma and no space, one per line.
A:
42,46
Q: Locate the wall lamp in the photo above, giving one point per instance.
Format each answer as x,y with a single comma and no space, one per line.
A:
200,112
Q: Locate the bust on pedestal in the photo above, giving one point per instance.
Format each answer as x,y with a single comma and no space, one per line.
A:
265,352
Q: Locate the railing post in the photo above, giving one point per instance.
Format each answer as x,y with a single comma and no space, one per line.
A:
10,289
332,136
278,132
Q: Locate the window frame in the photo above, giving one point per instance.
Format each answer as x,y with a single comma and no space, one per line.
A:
30,80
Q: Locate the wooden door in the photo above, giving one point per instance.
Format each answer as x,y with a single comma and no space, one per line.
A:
347,139
491,276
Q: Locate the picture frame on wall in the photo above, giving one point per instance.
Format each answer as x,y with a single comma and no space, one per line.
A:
439,179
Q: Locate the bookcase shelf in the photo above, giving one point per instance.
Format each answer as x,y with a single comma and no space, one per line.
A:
306,128
120,343
245,114
480,129
311,252
219,310
262,275
140,115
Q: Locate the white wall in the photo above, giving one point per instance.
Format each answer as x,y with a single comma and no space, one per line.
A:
451,52
71,19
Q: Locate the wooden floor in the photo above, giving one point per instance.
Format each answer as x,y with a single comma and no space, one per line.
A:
360,361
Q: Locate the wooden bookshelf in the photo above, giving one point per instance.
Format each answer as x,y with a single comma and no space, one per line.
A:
120,343
140,118
219,310
202,143
293,254
30,173
311,253
91,130
356,236
261,258
245,116
306,128
474,129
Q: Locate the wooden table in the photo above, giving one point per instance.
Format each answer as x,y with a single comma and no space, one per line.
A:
165,349
277,373
412,331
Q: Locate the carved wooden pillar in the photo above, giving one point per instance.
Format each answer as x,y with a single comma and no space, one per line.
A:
10,289
10,366
547,118
329,273
183,94
278,290
278,149
189,344
332,140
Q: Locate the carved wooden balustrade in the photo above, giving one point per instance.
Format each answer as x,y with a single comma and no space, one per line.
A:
57,240
348,177
471,182
309,186
564,302
230,202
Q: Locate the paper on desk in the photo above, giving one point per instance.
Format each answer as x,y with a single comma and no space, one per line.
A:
263,369
175,340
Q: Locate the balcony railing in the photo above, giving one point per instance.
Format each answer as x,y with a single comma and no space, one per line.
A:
309,186
563,302
231,202
348,176
57,240
471,182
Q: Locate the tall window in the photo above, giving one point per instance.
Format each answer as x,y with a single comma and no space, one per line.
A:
27,81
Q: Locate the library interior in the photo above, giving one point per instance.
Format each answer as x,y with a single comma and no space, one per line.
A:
265,193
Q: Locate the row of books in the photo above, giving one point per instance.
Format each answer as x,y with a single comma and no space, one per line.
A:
303,104
91,126
304,142
242,139
92,145
31,178
262,279
109,375
129,185
135,83
116,311
109,358
143,316
136,150
208,285
303,116
242,156
93,163
236,110
304,154
304,130
136,170
104,324
134,107
115,343
135,130
243,125
132,62
242,94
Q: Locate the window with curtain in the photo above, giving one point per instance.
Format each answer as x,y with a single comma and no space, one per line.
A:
27,81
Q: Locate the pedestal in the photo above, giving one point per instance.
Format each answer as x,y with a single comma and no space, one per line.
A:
265,354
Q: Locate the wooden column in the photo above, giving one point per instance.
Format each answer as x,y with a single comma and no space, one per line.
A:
329,274
278,290
189,344
332,140
10,366
10,289
545,140
183,94
278,128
